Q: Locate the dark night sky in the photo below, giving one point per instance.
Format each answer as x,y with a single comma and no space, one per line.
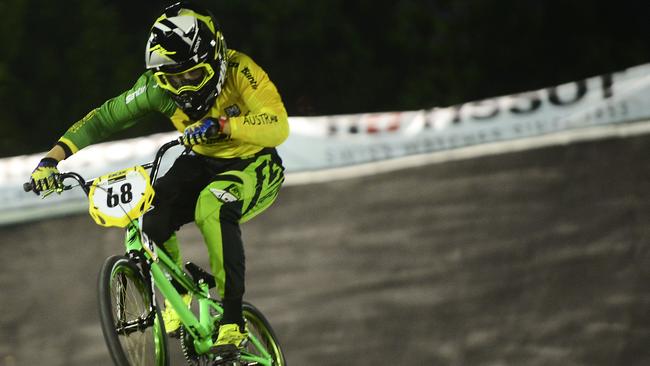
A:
326,57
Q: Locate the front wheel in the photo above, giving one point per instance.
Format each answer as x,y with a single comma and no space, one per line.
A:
260,329
132,326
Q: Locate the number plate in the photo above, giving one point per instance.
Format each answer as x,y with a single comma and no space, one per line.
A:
120,197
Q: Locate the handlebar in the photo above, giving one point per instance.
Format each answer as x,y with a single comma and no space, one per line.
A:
154,165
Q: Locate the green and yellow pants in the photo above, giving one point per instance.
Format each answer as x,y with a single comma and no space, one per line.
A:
219,195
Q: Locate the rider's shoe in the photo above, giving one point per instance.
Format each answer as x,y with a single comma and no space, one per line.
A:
232,338
170,317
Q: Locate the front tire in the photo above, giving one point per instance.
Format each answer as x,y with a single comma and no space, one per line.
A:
132,326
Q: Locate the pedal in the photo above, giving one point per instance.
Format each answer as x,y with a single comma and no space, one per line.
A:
227,355
199,274
230,361
227,363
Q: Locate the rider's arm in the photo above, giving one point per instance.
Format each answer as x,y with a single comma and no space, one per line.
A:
57,153
267,123
114,115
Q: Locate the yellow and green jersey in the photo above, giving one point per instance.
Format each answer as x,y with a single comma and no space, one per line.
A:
249,98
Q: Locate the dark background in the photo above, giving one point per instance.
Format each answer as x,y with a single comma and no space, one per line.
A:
59,59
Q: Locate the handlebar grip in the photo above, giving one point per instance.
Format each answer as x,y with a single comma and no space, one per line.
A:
28,187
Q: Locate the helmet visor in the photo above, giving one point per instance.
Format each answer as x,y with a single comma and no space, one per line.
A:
192,79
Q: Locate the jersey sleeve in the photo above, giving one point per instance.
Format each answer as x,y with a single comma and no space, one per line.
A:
118,113
267,123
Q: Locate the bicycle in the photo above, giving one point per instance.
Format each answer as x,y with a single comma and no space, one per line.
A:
130,317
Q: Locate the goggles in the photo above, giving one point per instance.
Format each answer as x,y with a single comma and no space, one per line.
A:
192,79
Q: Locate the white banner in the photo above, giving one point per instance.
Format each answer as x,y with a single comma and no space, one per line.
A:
335,141
318,143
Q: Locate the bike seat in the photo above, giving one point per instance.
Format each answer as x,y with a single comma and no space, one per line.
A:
199,274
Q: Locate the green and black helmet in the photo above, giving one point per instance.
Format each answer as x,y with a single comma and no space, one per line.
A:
188,55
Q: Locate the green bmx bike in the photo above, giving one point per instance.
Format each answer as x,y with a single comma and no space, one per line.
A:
129,312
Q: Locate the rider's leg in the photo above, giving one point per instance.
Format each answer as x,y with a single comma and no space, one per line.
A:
173,207
219,223
234,197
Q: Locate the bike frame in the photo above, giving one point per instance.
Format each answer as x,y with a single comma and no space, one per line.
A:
159,269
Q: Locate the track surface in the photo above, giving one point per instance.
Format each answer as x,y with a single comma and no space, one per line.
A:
534,258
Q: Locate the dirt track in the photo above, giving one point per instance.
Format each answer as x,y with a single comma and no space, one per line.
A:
535,258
